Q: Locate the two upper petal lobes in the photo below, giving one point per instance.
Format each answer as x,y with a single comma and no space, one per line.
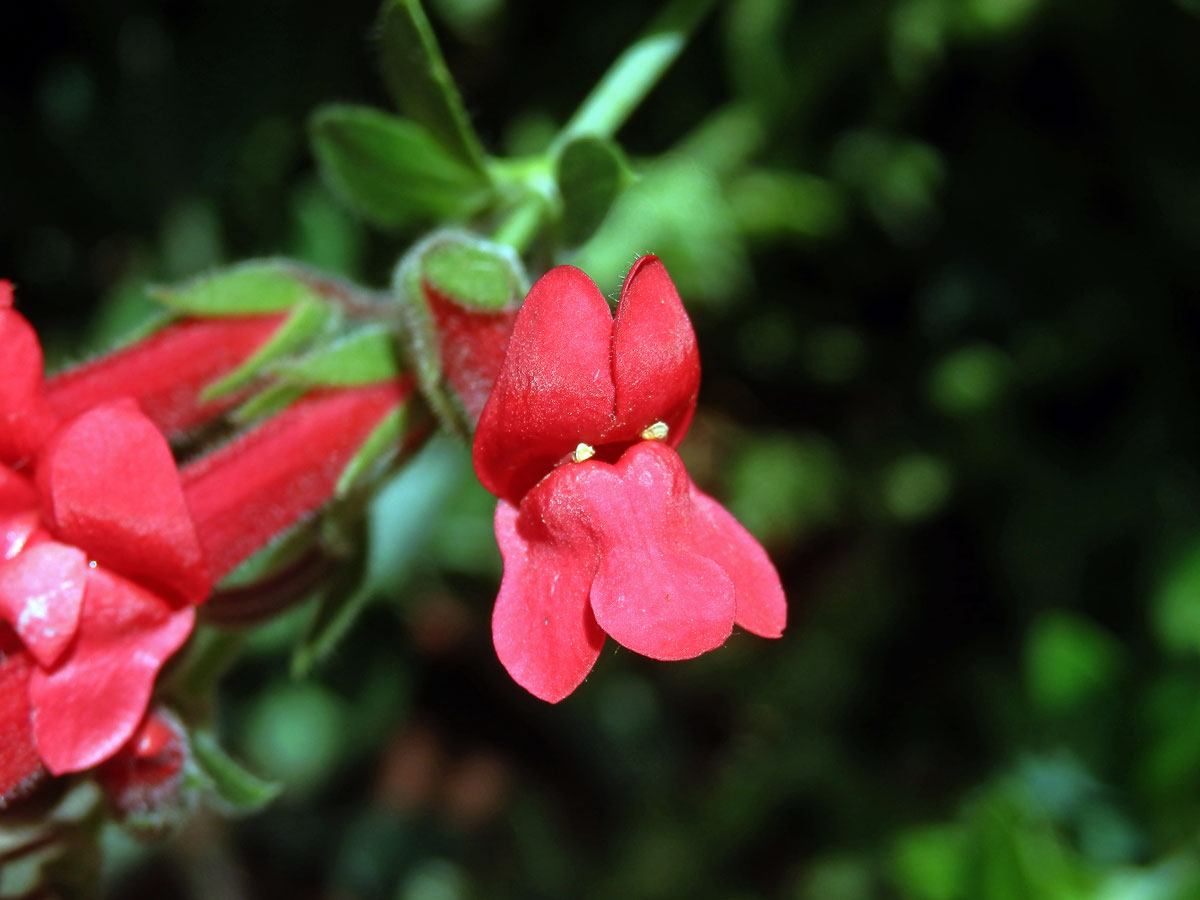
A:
632,550
572,375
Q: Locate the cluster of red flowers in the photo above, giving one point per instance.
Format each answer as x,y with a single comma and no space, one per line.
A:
600,527
108,547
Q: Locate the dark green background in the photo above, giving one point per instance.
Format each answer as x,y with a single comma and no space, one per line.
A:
943,257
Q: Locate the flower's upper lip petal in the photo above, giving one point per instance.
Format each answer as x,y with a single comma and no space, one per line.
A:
655,361
761,606
655,590
25,417
109,486
41,591
555,387
87,707
543,627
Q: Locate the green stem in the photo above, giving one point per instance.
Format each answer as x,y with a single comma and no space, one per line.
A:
635,72
522,223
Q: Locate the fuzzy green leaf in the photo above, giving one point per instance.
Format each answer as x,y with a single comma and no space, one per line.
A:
304,323
364,357
252,288
392,170
473,275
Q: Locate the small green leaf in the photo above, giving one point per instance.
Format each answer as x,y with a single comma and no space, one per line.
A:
474,274
386,438
242,791
256,287
267,402
305,321
364,357
591,172
421,85
392,170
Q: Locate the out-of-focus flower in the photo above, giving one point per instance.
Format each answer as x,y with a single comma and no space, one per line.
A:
165,372
601,530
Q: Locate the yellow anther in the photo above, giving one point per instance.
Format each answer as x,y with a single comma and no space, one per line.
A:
655,432
583,452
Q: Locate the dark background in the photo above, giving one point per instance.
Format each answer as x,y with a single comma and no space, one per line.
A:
943,257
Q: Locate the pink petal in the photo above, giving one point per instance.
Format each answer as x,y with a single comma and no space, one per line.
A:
15,531
554,389
20,765
89,705
41,590
25,419
656,364
542,625
761,607
110,487
655,591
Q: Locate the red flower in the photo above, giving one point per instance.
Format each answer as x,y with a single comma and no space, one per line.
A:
100,568
601,530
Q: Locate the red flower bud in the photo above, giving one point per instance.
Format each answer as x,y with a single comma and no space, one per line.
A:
145,782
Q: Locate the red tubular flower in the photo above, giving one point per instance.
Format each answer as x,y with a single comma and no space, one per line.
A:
101,567
165,373
601,530
249,491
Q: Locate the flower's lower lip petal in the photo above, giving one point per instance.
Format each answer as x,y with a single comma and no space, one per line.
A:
110,487
758,595
41,590
20,766
89,705
665,605
542,626
655,591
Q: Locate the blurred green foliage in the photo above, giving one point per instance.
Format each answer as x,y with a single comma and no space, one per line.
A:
942,259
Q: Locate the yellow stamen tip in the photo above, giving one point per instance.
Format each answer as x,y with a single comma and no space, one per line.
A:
655,432
583,452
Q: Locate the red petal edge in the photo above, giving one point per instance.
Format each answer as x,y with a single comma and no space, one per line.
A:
655,361
543,627
88,707
759,598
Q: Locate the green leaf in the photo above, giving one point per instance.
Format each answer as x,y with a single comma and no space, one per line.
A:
364,357
1068,659
386,438
305,321
256,287
267,402
591,173
392,170
242,791
474,274
416,74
